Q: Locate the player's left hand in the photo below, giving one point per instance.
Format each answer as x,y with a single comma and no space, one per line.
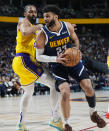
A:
74,26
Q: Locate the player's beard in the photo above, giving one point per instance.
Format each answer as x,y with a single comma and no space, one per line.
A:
32,20
51,24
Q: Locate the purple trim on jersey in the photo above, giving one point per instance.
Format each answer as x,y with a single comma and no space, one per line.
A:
22,54
20,117
35,68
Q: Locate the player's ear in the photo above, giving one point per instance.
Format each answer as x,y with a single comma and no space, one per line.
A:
24,13
56,16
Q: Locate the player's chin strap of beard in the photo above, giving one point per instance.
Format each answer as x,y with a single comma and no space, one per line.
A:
51,24
94,65
33,21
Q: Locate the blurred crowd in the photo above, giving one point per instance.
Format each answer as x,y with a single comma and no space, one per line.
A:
86,10
9,86
8,10
93,44
7,52
82,9
99,82
9,83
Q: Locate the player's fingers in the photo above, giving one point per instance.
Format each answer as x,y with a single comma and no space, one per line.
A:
74,25
80,53
62,55
63,62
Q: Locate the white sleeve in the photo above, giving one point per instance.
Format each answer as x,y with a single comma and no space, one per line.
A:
44,58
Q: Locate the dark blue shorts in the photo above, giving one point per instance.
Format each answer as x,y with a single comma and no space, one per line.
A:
61,73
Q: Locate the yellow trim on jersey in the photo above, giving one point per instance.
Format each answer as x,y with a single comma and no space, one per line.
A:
108,61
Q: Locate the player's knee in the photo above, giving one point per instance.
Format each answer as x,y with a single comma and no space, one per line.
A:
65,92
28,94
87,87
90,91
28,90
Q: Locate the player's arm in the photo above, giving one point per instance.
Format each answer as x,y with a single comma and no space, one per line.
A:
40,44
27,29
73,35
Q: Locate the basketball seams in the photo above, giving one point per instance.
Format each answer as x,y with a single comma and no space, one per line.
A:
73,56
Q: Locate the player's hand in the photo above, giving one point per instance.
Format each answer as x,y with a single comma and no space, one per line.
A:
75,26
61,59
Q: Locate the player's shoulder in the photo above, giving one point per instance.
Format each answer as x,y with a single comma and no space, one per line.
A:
68,24
41,34
24,22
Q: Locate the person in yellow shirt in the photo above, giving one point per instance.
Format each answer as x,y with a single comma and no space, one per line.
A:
26,66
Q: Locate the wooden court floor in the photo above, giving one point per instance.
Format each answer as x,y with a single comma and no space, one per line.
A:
39,112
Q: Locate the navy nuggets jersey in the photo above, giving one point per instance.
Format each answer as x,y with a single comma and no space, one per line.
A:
56,43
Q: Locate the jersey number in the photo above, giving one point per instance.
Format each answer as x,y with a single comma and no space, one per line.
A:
61,49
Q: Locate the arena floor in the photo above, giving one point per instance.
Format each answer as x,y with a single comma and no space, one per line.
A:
39,112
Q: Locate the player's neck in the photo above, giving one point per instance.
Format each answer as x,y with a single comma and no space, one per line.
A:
56,28
27,21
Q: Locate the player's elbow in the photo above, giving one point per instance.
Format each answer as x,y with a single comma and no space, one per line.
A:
39,53
38,58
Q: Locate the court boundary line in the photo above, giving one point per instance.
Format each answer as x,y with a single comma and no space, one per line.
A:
90,127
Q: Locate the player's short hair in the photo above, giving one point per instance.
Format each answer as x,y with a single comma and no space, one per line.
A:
52,8
27,6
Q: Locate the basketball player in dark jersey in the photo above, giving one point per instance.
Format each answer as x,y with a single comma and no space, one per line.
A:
51,41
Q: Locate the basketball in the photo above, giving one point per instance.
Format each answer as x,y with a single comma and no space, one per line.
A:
73,56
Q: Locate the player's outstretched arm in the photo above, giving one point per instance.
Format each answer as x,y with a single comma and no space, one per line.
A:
26,28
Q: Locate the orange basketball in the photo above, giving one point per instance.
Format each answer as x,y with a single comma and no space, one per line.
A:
73,56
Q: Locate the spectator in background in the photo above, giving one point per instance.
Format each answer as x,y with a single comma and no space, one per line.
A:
16,90
3,90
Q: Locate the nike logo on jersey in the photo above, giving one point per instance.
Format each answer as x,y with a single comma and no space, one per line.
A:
51,36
